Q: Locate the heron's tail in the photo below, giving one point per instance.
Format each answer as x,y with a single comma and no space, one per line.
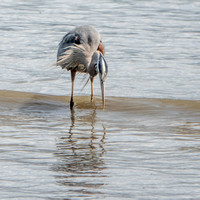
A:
73,57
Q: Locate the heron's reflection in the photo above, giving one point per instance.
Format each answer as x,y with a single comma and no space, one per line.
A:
80,152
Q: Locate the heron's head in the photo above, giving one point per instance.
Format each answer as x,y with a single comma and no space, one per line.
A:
103,70
99,66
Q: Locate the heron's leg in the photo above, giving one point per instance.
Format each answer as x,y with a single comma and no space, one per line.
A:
73,74
92,81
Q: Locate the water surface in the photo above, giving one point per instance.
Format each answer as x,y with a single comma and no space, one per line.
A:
145,145
136,148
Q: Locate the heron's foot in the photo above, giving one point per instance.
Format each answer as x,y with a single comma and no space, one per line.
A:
92,98
71,104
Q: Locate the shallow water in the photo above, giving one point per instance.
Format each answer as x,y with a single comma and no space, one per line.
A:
136,148
145,145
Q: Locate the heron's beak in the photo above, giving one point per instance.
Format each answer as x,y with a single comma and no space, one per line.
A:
103,70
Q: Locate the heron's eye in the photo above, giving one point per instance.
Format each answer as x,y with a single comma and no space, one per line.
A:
76,40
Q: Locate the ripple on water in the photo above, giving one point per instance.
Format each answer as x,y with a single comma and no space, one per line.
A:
141,147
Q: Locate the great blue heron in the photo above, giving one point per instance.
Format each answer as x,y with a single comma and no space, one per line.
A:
82,50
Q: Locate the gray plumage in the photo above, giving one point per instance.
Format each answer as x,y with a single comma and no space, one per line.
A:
81,50
82,41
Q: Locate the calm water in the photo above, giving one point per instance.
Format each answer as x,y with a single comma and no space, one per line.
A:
145,145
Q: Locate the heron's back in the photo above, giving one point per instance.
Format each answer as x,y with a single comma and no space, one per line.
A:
77,47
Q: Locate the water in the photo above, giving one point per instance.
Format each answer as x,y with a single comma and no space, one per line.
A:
145,145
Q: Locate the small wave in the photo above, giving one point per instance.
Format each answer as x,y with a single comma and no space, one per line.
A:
120,104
